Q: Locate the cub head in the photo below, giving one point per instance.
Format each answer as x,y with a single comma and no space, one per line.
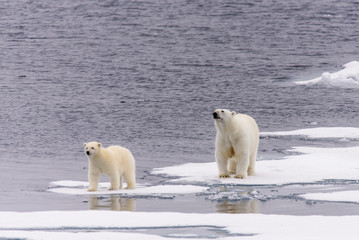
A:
223,115
92,148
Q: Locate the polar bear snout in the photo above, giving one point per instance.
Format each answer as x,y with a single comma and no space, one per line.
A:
216,116
88,153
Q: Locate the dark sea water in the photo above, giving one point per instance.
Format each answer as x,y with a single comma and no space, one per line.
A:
147,75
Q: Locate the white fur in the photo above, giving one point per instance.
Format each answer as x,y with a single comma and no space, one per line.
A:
114,161
237,142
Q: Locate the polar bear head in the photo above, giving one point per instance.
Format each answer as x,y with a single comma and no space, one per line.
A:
223,115
92,148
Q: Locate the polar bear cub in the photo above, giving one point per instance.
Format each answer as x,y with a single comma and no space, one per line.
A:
114,161
237,142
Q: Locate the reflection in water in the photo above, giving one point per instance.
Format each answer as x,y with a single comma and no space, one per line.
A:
115,203
242,206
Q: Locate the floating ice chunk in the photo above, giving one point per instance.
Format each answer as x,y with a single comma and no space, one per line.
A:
348,77
314,164
79,188
341,196
313,123
324,132
70,183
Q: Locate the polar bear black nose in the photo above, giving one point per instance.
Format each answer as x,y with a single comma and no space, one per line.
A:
215,115
88,153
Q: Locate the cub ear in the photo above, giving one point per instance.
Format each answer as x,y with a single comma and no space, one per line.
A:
99,145
233,113
84,144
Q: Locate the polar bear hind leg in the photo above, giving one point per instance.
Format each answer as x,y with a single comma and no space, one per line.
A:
251,168
115,181
130,180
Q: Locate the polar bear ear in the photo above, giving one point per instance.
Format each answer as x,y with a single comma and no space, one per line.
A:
99,145
233,113
84,144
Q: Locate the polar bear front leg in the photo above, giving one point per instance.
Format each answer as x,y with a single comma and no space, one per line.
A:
232,165
222,163
242,165
93,180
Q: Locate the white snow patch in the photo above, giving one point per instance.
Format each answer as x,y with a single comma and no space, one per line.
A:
324,132
80,188
126,225
61,235
340,196
348,77
312,165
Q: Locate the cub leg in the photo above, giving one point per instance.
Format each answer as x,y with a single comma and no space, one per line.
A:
130,180
115,181
93,181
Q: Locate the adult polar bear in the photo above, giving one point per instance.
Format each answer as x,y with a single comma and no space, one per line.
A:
236,143
114,161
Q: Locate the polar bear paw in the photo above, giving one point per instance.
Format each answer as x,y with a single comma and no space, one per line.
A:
226,175
241,176
251,173
91,190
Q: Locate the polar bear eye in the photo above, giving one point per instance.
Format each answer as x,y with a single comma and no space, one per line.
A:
92,148
222,111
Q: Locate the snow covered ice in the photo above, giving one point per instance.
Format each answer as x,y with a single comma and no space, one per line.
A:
315,133
336,196
348,77
80,188
307,164
137,225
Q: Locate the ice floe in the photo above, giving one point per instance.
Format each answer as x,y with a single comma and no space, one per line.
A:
340,196
80,188
309,165
348,77
323,132
148,225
